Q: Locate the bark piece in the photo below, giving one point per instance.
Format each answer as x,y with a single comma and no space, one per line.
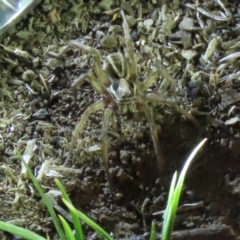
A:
208,233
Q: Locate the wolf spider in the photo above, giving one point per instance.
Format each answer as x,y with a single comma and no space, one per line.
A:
116,81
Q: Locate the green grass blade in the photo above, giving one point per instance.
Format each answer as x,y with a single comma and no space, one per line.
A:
67,229
76,221
172,205
45,199
20,232
178,190
187,164
87,220
168,211
153,231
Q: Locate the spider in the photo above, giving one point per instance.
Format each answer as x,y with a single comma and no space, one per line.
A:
116,81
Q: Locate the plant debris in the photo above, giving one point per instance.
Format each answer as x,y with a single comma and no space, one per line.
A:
191,48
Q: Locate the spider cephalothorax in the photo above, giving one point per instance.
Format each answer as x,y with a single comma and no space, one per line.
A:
116,81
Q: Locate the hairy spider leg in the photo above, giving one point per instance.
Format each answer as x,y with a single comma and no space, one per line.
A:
167,82
91,79
106,118
150,79
154,134
109,59
130,50
100,74
98,105
155,97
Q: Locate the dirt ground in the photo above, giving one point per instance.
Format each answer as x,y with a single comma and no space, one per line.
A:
198,46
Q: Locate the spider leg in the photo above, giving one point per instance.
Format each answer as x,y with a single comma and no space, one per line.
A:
97,61
154,135
61,53
130,50
106,118
154,97
150,80
168,81
79,127
92,80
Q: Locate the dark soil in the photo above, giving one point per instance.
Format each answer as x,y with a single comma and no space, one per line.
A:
38,103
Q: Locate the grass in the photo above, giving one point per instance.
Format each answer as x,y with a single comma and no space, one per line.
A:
67,232
174,196
64,231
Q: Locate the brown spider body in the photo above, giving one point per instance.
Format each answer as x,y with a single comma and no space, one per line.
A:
116,81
